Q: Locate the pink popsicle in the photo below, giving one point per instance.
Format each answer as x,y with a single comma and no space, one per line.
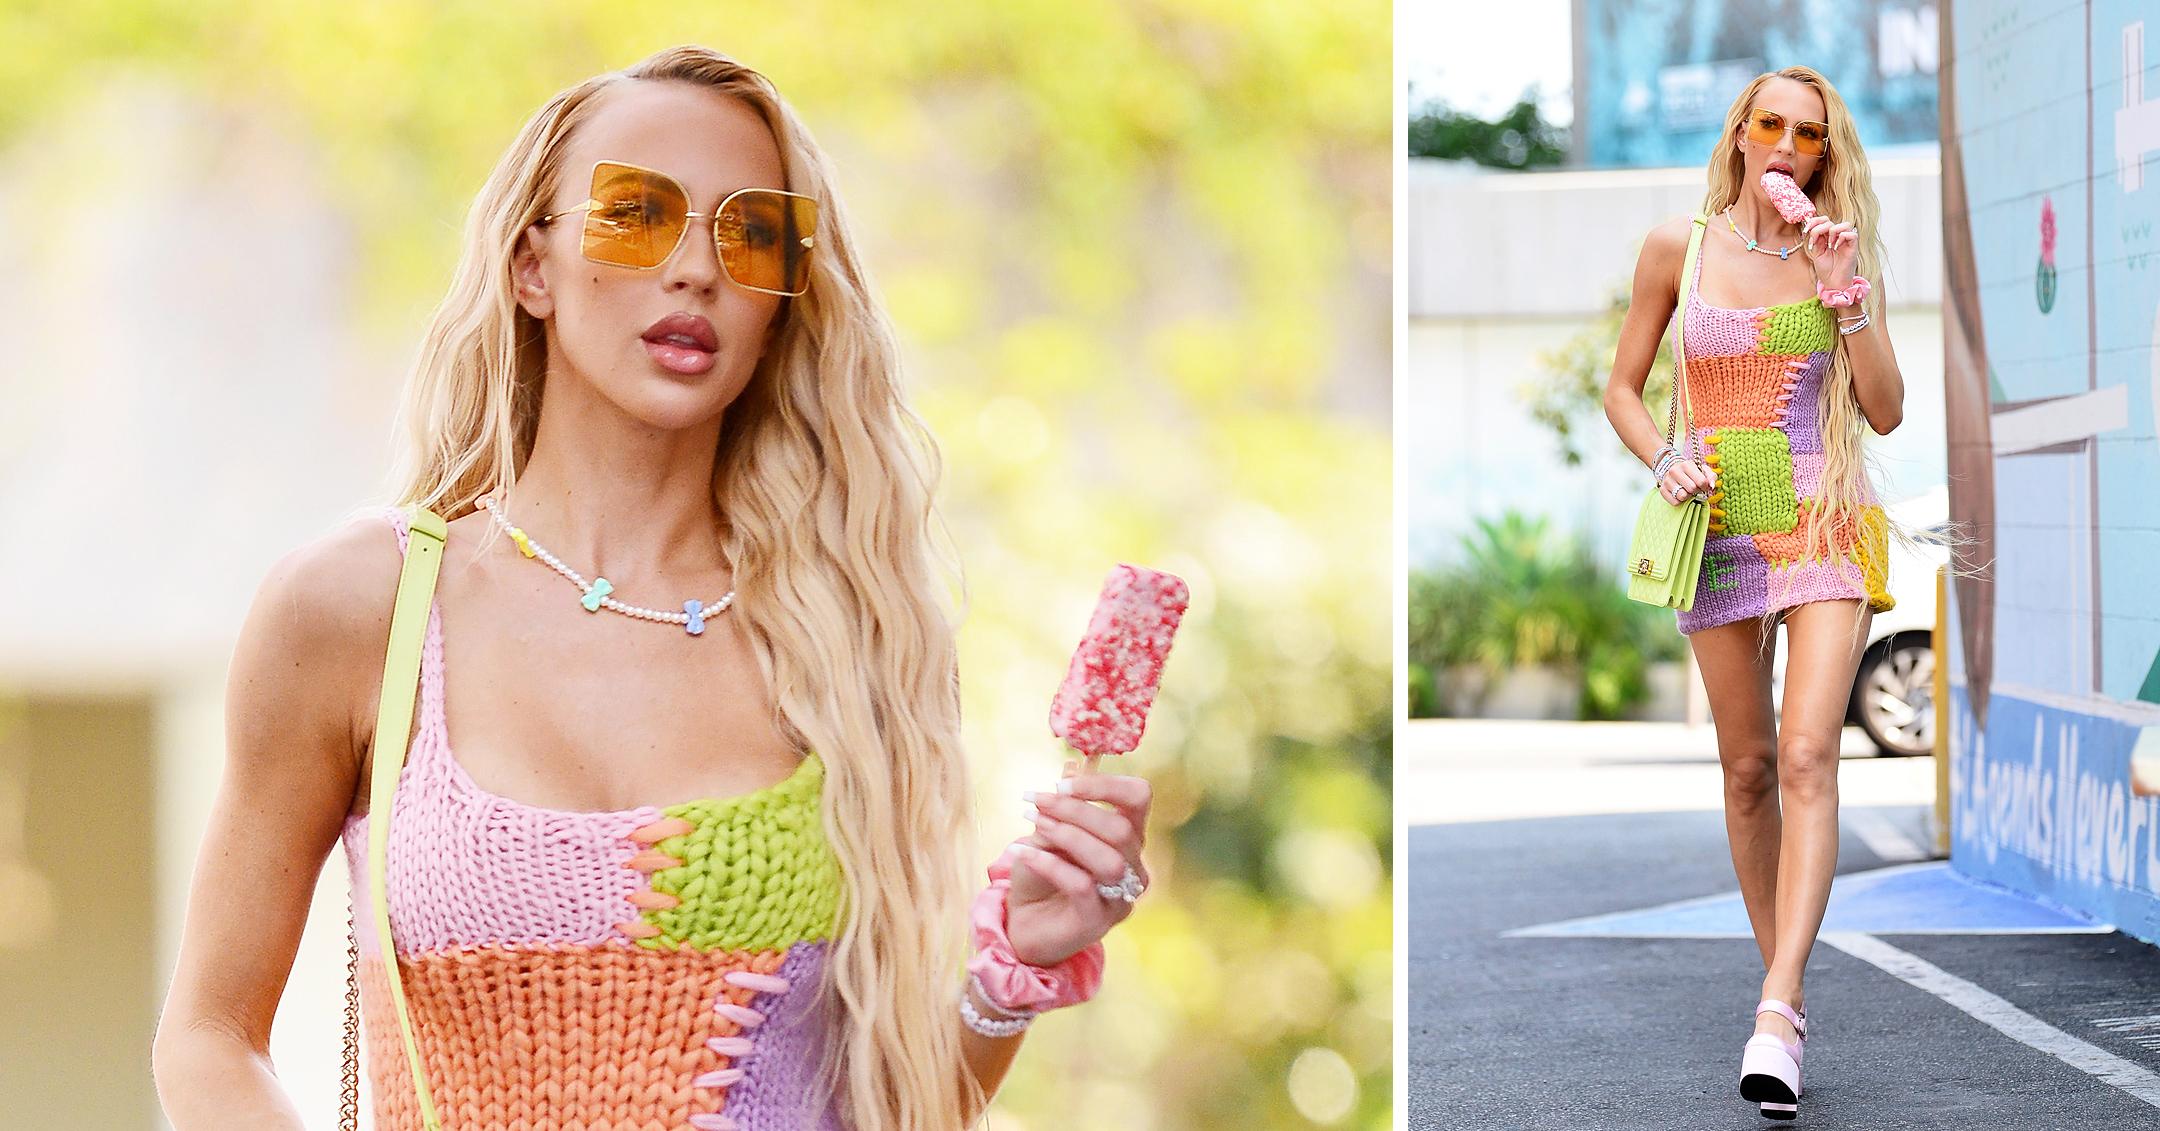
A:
1102,706
1791,203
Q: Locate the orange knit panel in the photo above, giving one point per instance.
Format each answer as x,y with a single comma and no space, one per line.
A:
1739,390
604,1038
1860,541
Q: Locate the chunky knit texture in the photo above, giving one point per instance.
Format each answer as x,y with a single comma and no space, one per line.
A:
1755,382
633,970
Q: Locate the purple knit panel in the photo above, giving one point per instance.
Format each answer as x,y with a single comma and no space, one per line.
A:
469,869
1803,415
1730,585
778,1089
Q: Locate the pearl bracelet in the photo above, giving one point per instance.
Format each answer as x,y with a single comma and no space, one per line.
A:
1008,1026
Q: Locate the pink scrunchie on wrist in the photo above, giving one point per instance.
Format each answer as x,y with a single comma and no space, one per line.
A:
1850,296
1010,983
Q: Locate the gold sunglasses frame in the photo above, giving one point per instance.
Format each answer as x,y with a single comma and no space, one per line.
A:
809,242
1749,123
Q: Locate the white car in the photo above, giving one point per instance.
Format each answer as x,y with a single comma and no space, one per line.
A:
1893,695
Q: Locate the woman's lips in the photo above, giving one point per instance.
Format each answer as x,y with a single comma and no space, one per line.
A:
676,357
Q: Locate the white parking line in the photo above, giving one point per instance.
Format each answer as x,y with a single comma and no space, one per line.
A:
2000,1015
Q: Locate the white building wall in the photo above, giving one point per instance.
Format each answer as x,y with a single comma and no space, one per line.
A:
184,396
1504,267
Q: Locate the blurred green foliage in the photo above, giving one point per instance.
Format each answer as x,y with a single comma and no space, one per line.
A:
1571,389
1520,595
1147,319
1520,138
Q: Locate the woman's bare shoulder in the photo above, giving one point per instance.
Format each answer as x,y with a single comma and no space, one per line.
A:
299,666
343,581
321,617
1668,240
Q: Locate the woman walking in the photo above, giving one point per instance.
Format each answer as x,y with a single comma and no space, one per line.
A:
1787,359
681,834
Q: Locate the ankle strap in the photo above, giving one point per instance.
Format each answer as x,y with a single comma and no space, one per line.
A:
1773,1005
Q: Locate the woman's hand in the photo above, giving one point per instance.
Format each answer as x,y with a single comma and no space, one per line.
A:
1840,252
1685,478
1053,910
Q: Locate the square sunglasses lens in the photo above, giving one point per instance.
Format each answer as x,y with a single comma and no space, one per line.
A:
1765,128
636,217
765,240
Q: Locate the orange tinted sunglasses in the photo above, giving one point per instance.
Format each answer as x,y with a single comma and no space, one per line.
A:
1767,127
636,217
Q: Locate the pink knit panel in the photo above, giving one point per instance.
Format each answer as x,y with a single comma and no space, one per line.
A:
1719,331
1814,581
470,869
1807,468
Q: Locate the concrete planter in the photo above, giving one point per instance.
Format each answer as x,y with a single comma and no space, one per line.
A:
1668,694
1537,692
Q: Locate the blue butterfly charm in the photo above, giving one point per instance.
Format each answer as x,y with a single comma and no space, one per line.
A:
1783,252
696,609
601,587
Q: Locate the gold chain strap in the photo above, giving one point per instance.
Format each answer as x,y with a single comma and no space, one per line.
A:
349,1106
1672,412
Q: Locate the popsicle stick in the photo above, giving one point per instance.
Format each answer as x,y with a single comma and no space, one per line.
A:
1092,761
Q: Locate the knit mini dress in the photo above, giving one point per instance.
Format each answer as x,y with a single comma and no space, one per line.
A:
1755,381
647,969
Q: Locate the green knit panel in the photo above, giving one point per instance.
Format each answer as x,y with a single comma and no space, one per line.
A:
1755,473
756,874
1800,327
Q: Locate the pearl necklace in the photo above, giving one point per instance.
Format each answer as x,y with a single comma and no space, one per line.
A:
1780,253
692,618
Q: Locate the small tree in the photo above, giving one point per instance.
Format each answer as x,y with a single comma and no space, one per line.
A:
1571,389
1518,139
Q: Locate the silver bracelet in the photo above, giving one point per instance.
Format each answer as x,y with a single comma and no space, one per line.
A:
1855,328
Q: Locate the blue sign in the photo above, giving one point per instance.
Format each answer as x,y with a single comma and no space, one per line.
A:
1660,74
2040,801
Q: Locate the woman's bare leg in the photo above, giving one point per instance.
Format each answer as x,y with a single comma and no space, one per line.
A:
1736,676
1823,653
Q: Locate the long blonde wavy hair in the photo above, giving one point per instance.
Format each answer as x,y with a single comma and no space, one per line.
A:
826,479
1842,190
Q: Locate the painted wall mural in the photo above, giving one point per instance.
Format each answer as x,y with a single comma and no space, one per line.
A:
2051,315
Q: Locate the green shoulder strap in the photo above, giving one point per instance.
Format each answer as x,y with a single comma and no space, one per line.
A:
393,729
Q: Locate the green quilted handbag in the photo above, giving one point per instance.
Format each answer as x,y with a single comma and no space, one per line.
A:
1665,556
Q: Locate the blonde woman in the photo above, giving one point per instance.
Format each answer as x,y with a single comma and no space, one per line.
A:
1787,360
681,837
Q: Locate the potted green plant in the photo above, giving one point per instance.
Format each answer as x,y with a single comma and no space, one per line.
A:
1528,624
